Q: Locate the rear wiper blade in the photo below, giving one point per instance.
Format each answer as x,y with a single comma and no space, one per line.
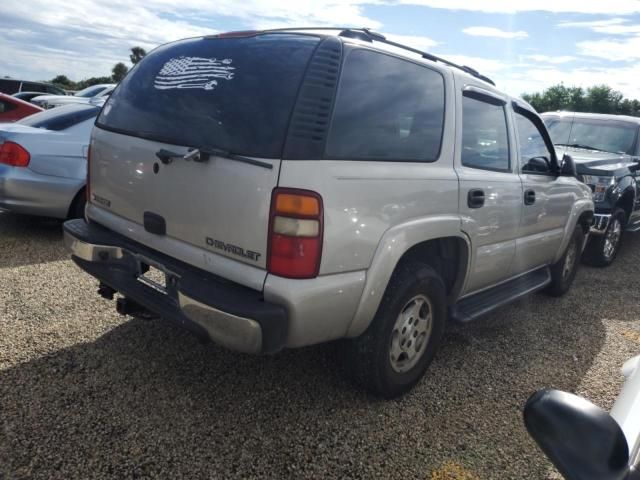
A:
583,146
206,152
203,155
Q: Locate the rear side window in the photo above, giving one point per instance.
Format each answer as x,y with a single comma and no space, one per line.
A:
387,109
6,106
61,118
9,86
485,141
236,94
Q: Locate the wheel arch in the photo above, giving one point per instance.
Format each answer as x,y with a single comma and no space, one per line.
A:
76,198
432,241
626,201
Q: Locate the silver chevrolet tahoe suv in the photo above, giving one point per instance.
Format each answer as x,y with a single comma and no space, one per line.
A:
277,189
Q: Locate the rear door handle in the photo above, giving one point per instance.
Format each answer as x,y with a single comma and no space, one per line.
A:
529,197
475,198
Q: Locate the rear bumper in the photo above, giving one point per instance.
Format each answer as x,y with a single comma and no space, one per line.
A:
24,191
229,314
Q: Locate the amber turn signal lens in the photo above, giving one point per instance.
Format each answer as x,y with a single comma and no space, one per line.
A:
292,204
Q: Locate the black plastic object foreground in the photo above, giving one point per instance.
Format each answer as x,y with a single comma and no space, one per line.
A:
583,441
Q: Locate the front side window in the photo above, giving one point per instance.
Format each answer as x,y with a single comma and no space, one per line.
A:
386,109
533,152
485,141
33,87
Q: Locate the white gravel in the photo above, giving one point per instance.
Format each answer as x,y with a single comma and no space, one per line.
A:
85,393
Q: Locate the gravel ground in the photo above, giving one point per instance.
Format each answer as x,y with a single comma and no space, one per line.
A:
85,393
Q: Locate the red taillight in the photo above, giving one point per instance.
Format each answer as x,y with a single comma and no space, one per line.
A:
295,233
14,155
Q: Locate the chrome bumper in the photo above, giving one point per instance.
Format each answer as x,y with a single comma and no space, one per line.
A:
600,223
232,331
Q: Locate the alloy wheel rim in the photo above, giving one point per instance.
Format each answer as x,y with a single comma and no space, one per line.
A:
612,238
569,260
411,333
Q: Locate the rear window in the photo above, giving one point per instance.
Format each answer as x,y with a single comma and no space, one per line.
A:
90,91
61,118
236,94
387,109
9,86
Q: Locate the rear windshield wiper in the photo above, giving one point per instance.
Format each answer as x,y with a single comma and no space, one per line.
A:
203,155
583,146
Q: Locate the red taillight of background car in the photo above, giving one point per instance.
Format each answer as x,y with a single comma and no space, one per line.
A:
295,233
14,154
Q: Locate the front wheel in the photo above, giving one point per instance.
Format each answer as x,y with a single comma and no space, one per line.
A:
564,270
395,351
602,250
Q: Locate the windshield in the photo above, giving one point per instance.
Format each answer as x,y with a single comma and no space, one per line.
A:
60,118
234,94
607,135
90,91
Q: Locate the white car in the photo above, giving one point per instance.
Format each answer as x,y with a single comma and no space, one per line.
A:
43,161
83,96
583,441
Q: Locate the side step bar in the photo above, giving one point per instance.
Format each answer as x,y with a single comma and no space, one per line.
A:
633,228
479,304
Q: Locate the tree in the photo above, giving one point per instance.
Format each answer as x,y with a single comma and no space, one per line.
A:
88,82
63,81
596,99
137,53
119,70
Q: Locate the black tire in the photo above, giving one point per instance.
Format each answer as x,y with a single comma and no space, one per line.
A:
564,270
77,206
370,354
601,250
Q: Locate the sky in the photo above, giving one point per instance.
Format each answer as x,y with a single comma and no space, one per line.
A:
523,45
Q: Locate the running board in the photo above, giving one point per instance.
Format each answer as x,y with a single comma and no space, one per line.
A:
633,228
479,304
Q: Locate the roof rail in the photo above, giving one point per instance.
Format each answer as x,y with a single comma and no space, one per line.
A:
369,36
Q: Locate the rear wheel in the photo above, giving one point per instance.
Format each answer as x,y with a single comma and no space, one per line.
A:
602,249
395,351
564,270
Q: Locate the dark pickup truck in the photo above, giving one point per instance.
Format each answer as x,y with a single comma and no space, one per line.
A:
606,150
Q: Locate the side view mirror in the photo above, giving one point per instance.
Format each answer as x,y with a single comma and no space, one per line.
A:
583,441
568,166
635,167
538,165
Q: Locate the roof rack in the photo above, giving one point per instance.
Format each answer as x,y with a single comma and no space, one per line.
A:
368,36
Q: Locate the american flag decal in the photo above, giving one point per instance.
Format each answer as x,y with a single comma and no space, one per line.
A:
193,72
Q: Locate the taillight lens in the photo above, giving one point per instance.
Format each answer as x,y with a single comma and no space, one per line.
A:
295,233
13,154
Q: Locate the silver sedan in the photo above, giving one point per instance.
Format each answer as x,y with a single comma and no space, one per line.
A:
43,162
